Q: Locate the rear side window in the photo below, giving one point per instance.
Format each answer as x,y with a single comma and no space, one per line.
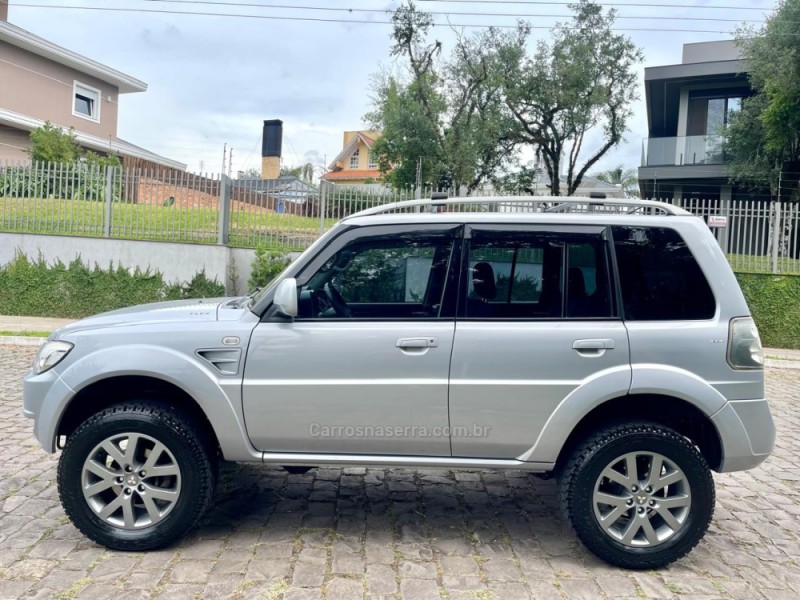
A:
660,279
536,275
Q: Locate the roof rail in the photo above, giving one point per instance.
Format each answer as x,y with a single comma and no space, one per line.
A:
532,204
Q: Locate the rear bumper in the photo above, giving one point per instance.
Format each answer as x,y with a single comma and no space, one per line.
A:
747,433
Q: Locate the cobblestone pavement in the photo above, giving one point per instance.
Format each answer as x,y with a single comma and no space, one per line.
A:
390,533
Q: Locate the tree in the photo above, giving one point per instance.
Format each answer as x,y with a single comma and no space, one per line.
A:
625,178
51,143
442,121
763,139
304,172
581,81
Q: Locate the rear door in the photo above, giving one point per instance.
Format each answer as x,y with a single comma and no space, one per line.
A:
536,319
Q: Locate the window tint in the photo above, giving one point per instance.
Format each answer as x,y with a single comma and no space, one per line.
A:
522,275
386,278
660,278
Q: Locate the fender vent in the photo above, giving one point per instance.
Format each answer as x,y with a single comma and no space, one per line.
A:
225,361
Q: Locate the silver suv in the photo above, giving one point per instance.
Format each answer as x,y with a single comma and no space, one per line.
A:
604,342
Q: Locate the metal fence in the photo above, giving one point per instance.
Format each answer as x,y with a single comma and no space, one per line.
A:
171,205
757,235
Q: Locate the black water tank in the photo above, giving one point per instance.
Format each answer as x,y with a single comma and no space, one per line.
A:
272,139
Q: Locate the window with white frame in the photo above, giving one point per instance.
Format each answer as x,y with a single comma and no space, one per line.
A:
373,160
86,102
354,159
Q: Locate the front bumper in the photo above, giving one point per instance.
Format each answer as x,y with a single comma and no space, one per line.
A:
747,433
43,396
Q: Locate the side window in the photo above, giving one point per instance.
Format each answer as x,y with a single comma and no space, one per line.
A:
659,277
389,277
536,275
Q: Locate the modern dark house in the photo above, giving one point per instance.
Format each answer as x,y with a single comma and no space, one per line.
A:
688,107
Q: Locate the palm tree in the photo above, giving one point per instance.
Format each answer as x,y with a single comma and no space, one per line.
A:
620,176
304,172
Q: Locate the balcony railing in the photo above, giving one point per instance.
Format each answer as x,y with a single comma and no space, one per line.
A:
683,150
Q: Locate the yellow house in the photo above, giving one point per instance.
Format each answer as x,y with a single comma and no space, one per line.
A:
355,164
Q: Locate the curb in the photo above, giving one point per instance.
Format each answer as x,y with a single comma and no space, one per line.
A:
21,340
779,363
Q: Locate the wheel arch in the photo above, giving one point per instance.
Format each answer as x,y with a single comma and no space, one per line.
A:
676,413
106,392
109,375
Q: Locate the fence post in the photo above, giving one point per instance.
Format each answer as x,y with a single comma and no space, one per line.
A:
776,235
224,220
109,199
323,194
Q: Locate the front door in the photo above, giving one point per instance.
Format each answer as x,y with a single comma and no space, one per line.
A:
364,367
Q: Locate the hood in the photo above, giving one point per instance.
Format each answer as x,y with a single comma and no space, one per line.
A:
158,312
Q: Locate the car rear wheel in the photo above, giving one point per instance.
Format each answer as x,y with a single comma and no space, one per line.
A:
639,495
136,476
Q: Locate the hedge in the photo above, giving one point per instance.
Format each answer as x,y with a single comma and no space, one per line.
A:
36,289
774,301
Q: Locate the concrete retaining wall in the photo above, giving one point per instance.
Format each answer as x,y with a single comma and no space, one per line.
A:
176,262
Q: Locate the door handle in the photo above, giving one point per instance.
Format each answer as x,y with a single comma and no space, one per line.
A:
429,342
599,344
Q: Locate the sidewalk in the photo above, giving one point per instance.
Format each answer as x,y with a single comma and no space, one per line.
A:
11,329
773,357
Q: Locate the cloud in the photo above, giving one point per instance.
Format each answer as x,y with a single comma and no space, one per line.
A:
212,80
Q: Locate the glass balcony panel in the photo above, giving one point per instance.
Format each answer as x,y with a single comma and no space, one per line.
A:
683,150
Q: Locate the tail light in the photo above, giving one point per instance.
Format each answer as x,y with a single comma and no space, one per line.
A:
744,345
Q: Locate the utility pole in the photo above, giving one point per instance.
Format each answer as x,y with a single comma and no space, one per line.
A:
230,163
224,158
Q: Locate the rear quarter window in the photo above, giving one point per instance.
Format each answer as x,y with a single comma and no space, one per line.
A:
659,276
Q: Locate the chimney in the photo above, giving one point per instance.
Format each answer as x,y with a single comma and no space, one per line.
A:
4,10
271,143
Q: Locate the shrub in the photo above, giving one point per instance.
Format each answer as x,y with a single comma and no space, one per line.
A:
267,265
774,301
51,143
34,288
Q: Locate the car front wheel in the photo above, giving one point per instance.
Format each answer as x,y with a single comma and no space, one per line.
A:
136,476
638,495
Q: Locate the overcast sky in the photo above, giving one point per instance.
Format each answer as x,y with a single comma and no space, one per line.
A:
214,79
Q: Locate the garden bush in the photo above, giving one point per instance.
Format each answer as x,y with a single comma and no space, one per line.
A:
37,289
267,265
774,301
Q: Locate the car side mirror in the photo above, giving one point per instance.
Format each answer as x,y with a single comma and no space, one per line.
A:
285,299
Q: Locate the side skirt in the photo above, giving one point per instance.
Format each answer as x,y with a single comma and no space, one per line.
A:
368,460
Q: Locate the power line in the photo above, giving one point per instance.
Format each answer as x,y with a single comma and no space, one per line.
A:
446,13
352,21
604,4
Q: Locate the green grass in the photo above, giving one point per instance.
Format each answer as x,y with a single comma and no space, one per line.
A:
762,264
248,228
42,334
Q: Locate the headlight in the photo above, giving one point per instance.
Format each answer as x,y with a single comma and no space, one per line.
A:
50,355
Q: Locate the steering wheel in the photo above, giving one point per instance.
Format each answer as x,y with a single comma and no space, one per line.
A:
337,302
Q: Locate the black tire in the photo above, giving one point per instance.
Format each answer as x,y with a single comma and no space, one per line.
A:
610,448
189,458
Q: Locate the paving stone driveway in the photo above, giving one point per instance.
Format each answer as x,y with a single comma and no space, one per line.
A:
390,533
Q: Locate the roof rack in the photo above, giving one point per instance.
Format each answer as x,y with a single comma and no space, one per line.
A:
543,204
